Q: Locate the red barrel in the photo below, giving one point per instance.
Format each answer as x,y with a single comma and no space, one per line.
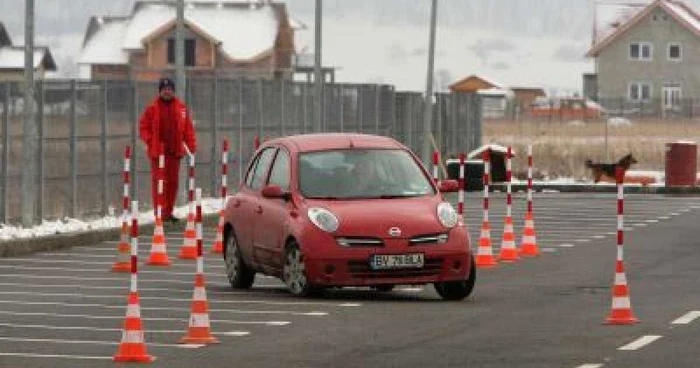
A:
681,164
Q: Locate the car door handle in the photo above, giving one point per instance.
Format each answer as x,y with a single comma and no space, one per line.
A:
259,210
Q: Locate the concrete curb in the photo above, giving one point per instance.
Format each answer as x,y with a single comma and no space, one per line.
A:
20,247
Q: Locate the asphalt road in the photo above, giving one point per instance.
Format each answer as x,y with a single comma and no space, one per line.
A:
65,309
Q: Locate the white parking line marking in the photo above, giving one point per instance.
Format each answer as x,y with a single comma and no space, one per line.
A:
141,280
411,289
156,272
640,342
640,225
57,356
95,342
675,214
152,319
687,318
652,221
211,300
664,218
102,329
190,265
121,307
566,245
548,250
583,240
598,237
590,366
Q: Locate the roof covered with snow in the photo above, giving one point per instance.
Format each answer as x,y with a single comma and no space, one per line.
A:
615,18
497,148
12,57
244,29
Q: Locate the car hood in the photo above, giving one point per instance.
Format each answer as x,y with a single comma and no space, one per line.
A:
374,217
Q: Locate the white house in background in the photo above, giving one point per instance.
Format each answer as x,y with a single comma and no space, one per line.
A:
499,100
12,59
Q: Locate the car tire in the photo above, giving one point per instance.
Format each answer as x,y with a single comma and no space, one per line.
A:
294,273
239,274
458,290
384,288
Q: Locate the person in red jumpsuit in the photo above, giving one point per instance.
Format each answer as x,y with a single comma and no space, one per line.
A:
165,127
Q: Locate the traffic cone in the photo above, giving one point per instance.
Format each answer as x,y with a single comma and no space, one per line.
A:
189,249
528,247
218,247
159,253
123,262
133,347
199,329
621,313
484,253
508,251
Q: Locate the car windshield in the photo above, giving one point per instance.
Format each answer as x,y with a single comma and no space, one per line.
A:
361,173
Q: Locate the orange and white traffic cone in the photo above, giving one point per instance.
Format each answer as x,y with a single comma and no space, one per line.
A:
508,251
218,247
133,347
159,252
528,247
621,313
484,252
189,248
122,264
199,331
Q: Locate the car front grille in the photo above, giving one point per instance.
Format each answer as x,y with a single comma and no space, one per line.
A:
428,239
354,242
362,269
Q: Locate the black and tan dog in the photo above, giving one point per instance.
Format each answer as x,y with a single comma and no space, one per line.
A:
600,169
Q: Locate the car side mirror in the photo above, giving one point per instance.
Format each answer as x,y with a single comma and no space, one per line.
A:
448,186
275,192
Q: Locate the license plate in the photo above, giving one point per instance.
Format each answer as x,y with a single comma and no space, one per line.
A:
384,262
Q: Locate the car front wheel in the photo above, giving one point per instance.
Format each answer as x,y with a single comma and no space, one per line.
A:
294,273
457,290
239,274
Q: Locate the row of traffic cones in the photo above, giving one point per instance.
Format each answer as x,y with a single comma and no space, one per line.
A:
509,253
132,347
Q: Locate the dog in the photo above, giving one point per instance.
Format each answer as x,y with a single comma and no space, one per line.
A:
609,170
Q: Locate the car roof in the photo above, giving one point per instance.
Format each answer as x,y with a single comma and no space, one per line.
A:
333,141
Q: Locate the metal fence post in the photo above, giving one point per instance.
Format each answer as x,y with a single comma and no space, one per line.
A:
40,152
360,108
283,119
103,149
376,109
73,151
240,130
261,106
214,139
5,150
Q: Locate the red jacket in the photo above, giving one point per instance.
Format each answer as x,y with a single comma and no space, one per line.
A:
149,128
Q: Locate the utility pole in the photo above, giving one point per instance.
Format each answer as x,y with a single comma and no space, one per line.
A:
428,113
31,148
318,77
181,79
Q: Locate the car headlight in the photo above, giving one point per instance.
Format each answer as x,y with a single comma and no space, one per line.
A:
447,215
323,219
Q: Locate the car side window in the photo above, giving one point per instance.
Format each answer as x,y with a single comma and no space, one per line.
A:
260,171
251,170
279,175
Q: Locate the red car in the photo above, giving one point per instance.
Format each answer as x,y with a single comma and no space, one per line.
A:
334,210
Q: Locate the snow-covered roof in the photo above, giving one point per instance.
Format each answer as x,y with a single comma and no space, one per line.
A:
244,29
613,19
12,57
493,147
100,48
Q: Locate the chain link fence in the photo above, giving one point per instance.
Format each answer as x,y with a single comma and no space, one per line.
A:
84,127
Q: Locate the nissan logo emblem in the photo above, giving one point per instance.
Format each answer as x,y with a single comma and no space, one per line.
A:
395,232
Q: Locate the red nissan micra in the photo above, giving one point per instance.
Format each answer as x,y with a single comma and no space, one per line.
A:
334,210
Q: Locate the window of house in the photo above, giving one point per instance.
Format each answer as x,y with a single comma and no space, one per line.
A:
641,51
675,52
190,51
640,92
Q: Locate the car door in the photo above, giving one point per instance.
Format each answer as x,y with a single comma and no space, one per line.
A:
270,229
248,201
